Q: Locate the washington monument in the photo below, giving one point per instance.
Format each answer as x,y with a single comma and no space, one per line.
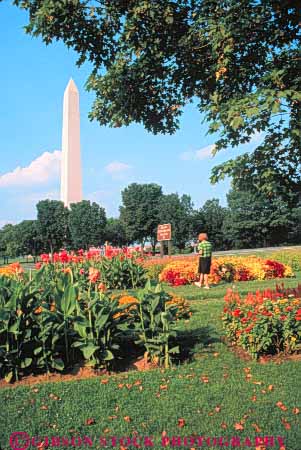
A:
71,176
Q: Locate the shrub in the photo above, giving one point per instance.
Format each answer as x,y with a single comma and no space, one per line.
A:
157,324
263,323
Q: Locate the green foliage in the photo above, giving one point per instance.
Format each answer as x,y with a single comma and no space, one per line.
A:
18,328
86,224
254,220
21,239
289,257
115,232
50,325
213,216
52,223
71,403
151,58
178,212
121,273
139,212
101,330
154,271
29,240
267,326
9,244
156,327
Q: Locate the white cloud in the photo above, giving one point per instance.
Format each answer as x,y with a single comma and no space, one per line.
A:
117,167
41,170
202,153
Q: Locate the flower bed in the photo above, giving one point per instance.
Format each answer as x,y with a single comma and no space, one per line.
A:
50,326
264,323
230,268
11,270
122,271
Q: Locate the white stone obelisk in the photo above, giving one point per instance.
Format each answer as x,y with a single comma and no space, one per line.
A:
71,176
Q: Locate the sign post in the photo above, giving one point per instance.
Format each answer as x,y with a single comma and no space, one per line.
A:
164,234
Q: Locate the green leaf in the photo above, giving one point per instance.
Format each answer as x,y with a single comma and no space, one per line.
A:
58,364
89,350
8,377
108,355
26,363
237,122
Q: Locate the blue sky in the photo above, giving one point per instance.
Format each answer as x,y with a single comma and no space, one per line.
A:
33,78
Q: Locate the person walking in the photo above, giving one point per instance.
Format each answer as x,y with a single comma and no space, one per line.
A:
205,253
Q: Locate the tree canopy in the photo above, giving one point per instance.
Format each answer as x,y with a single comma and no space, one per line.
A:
213,215
52,223
115,232
86,224
252,220
139,212
239,59
177,211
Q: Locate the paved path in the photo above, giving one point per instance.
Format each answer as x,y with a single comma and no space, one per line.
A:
247,251
256,250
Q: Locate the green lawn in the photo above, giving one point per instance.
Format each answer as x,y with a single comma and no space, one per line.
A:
210,392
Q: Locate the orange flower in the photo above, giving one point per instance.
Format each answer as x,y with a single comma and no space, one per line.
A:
126,299
38,310
94,275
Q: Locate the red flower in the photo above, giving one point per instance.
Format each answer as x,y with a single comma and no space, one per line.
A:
45,258
64,256
94,275
38,265
236,313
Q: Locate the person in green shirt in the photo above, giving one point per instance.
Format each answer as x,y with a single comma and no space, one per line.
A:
205,253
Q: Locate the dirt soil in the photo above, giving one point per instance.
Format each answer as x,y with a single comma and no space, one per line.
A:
277,359
78,373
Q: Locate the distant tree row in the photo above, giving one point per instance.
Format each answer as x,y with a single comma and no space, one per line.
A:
250,220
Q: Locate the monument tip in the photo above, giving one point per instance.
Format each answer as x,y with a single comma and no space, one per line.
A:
71,86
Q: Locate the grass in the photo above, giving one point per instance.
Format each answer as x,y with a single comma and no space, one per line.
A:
210,392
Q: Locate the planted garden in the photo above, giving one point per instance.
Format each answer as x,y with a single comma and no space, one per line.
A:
75,308
55,320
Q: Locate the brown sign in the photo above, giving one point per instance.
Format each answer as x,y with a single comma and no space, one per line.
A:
164,232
